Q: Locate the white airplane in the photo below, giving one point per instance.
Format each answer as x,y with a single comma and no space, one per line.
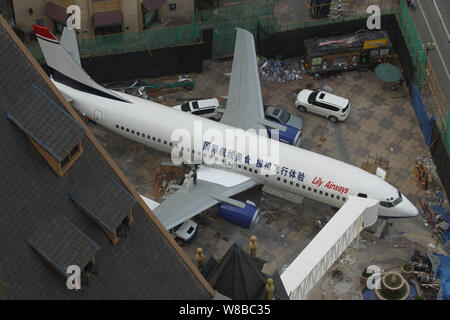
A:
296,170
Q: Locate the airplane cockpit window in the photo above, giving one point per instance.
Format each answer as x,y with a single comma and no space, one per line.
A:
386,204
390,204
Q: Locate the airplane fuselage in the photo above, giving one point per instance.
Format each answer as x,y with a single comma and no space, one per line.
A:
299,171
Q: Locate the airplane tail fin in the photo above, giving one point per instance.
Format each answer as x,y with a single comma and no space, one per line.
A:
70,44
68,71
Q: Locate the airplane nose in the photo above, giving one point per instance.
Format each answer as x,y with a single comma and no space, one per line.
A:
410,209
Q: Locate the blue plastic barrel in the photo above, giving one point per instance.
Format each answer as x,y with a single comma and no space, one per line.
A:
243,217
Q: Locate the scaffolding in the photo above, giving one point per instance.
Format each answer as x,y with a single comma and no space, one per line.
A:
412,39
424,76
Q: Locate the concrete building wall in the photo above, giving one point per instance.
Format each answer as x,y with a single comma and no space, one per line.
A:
86,19
25,20
131,13
184,9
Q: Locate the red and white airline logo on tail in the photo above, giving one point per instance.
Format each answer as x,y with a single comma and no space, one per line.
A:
44,34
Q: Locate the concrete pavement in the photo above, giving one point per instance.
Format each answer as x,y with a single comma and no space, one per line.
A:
444,9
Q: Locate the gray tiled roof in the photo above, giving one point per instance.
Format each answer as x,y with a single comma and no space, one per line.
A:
142,266
57,132
62,243
104,199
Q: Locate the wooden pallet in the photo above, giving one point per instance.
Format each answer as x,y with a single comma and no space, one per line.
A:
423,176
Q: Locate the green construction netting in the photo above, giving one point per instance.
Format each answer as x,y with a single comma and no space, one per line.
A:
225,20
412,39
446,132
145,40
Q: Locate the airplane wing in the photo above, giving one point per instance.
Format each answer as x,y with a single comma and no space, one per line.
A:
212,186
244,103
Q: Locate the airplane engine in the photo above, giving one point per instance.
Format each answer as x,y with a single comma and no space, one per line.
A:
243,217
289,136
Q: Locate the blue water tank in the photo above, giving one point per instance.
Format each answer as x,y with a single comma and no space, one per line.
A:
243,217
288,136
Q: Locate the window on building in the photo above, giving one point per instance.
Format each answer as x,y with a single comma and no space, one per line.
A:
149,18
340,60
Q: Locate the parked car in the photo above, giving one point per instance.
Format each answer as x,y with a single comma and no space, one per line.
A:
207,108
323,103
184,232
294,124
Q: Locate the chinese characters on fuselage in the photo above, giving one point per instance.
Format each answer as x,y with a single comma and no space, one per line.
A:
238,157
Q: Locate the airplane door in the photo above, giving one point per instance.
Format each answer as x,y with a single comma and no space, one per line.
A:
98,116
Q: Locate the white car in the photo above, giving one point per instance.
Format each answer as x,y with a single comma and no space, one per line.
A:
207,108
184,232
323,103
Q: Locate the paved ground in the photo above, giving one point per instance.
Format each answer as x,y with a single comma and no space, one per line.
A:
444,8
381,123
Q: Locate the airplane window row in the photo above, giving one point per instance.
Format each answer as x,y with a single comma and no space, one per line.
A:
249,169
331,195
143,135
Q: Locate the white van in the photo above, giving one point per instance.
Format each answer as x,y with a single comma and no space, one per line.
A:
207,108
323,103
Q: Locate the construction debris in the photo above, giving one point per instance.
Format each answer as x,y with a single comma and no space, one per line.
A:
347,260
436,215
425,171
424,275
373,163
281,71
